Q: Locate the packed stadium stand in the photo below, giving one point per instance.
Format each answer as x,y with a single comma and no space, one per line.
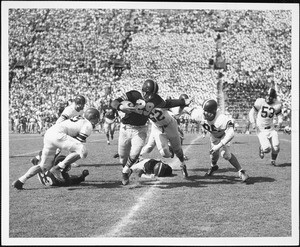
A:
230,55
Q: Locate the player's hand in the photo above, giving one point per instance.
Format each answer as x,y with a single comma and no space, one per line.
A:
187,102
215,148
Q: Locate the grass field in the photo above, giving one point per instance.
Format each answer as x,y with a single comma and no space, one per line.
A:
167,211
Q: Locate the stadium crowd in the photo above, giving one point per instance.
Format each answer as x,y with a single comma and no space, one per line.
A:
55,54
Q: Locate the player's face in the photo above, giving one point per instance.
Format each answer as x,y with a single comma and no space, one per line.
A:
208,115
79,107
270,100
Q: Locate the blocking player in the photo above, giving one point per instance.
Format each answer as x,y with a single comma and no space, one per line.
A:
221,130
261,117
69,135
164,128
74,109
110,115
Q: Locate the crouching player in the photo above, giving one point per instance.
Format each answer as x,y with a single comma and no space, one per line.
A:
221,129
48,179
69,135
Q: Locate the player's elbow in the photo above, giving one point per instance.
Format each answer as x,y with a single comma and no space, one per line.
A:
115,103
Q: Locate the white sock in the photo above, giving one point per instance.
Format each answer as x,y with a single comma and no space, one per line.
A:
23,179
126,169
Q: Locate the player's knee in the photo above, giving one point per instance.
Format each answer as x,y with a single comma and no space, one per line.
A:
122,161
276,149
45,167
82,151
226,155
266,149
165,152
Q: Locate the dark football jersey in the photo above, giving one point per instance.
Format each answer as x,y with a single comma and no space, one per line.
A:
133,118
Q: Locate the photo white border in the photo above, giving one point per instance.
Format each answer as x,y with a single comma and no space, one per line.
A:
5,240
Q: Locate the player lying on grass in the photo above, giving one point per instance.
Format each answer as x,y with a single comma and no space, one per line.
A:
69,135
151,168
48,178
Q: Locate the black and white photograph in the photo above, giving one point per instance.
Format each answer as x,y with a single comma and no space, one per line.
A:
149,123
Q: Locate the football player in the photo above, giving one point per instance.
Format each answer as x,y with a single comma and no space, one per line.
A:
151,168
74,109
48,179
164,128
221,130
110,115
261,117
133,131
69,135
180,111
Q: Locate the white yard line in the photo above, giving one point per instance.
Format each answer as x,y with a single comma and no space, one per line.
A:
114,232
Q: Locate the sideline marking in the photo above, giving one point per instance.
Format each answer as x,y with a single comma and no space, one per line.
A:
114,232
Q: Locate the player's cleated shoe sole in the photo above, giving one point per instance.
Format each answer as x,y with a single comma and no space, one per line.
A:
273,163
184,170
211,170
18,185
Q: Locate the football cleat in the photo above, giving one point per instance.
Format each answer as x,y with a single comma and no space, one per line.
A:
184,170
273,163
116,155
34,161
243,175
108,143
260,153
185,157
125,177
18,185
85,173
211,170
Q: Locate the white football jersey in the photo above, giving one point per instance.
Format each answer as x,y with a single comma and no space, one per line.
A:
219,125
266,113
69,112
161,116
74,126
